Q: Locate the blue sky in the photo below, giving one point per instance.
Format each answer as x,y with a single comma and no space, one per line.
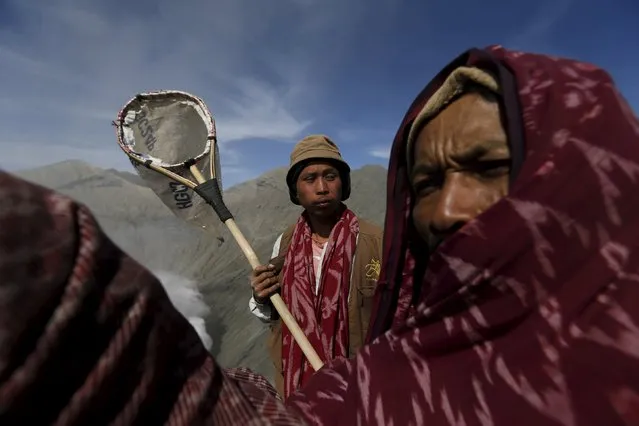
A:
270,71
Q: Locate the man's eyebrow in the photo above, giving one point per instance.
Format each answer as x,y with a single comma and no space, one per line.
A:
475,152
421,169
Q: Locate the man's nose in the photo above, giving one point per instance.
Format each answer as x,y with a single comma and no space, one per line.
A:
320,186
457,205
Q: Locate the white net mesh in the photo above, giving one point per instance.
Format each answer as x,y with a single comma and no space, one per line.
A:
172,130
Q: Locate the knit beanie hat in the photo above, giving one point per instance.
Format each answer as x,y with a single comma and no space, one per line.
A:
312,148
454,85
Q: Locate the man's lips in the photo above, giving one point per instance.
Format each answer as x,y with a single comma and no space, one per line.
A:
322,203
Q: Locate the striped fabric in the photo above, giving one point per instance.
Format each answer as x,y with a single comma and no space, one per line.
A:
323,317
89,337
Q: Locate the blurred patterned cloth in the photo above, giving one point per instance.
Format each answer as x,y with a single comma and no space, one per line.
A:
89,337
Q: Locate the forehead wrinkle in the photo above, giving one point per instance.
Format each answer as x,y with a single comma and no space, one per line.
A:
441,134
444,139
427,153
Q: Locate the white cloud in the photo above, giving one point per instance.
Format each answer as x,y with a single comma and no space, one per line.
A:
257,112
380,152
366,136
70,65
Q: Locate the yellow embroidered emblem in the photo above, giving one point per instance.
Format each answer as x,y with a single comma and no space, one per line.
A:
373,269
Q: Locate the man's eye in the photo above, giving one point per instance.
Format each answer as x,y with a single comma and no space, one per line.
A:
330,177
424,187
492,169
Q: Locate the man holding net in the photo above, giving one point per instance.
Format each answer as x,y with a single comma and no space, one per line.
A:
332,299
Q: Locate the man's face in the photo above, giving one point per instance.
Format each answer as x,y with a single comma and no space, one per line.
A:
319,189
462,162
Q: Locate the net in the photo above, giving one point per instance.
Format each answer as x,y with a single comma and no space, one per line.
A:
173,130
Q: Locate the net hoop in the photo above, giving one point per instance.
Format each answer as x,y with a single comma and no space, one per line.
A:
126,117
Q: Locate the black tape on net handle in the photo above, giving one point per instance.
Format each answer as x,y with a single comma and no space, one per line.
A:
211,193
